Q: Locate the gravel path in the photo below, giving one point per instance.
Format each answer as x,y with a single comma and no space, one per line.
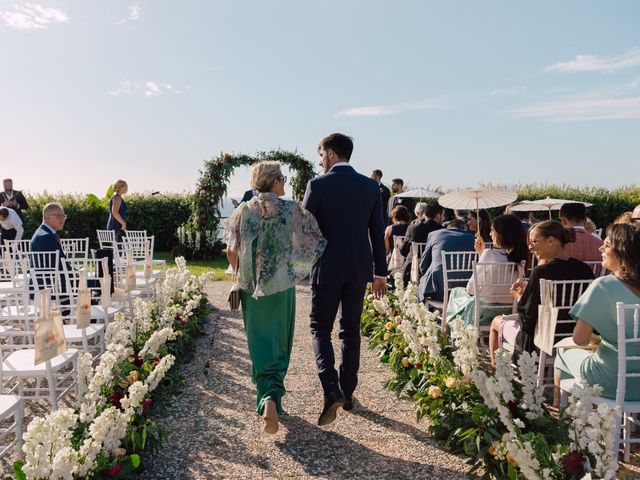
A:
214,432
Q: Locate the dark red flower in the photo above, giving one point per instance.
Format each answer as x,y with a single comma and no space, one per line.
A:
513,408
113,471
573,463
146,404
137,361
418,365
115,398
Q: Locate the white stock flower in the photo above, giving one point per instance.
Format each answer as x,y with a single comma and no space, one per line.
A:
465,355
158,373
532,394
156,340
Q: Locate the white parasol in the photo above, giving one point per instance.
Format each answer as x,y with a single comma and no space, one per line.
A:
477,198
419,193
543,204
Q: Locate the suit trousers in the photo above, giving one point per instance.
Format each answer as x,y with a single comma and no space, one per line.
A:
325,300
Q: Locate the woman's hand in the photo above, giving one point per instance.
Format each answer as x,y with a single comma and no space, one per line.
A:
479,245
517,288
123,226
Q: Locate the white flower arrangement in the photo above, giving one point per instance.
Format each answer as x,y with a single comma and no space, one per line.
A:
532,394
465,355
156,340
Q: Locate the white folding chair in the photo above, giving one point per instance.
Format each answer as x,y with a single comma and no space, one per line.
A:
491,285
11,406
596,266
397,259
133,234
142,250
416,254
628,326
457,268
19,374
124,254
18,246
76,251
558,296
106,238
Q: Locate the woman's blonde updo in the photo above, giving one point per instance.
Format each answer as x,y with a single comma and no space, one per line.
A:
119,184
263,174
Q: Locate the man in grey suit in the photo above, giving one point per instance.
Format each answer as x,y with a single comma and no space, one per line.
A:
454,238
348,208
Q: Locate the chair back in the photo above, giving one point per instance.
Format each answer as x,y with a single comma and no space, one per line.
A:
140,246
457,268
76,251
106,238
627,315
18,246
596,266
135,234
416,254
397,259
561,295
492,282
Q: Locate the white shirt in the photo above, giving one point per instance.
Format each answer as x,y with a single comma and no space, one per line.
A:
13,221
340,164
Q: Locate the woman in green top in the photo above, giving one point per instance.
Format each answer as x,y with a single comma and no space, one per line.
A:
596,311
264,236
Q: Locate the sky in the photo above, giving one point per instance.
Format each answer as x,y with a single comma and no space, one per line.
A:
441,94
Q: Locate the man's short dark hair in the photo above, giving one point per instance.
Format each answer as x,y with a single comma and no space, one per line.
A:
4,212
398,181
433,209
341,144
457,223
574,212
520,214
377,173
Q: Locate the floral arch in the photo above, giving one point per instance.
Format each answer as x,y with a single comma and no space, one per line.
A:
212,189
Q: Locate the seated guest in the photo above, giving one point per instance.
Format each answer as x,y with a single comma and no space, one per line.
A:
509,245
419,211
11,223
586,246
400,219
524,219
547,240
458,215
454,238
596,311
419,232
485,224
46,238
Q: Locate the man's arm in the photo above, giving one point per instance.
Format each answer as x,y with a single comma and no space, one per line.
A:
425,260
405,248
17,224
22,202
376,234
310,201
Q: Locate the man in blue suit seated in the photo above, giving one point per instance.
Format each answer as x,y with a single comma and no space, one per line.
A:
454,238
45,238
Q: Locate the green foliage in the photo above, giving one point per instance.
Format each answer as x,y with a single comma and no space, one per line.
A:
158,215
212,186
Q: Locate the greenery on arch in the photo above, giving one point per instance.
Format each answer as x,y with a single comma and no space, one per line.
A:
212,188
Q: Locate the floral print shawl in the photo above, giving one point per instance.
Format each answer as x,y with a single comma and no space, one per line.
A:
287,237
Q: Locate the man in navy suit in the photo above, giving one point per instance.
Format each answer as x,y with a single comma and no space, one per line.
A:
454,238
45,238
348,209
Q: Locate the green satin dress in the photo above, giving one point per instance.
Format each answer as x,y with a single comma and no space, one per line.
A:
277,242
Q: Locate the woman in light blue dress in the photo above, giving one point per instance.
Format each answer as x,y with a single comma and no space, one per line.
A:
595,312
509,245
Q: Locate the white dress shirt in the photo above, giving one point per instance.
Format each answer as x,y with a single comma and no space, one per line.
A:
13,221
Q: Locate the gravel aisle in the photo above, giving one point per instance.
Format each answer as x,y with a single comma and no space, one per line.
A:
215,433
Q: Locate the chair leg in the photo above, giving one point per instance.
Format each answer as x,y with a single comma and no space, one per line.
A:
19,415
52,387
627,436
541,364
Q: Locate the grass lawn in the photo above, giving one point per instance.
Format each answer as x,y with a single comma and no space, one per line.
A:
197,267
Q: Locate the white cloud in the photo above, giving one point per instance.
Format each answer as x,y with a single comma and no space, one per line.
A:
148,89
576,110
380,110
31,16
135,12
593,63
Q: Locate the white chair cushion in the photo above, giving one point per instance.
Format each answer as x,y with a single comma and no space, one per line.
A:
74,334
20,363
8,403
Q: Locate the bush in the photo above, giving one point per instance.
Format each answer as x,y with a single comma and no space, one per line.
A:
158,215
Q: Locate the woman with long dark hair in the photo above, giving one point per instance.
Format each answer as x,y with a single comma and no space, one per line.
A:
509,245
596,311
485,224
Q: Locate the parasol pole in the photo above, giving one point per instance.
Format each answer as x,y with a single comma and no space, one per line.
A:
550,212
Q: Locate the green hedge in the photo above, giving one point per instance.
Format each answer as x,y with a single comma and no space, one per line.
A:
158,215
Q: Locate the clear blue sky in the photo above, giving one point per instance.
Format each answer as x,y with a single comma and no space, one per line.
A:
447,94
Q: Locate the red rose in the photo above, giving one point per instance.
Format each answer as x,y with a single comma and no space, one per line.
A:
418,365
113,471
146,404
115,398
137,361
573,463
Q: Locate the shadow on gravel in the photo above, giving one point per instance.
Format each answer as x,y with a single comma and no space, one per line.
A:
392,424
325,453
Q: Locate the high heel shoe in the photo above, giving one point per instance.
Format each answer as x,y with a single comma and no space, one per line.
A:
270,417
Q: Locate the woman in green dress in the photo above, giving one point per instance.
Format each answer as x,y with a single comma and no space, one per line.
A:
265,237
595,311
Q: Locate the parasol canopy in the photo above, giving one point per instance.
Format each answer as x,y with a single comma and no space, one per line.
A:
477,198
543,204
419,193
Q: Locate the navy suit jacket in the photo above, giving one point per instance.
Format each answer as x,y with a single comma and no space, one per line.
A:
445,240
45,239
348,209
248,195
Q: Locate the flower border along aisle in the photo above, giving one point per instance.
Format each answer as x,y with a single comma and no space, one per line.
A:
498,422
112,425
